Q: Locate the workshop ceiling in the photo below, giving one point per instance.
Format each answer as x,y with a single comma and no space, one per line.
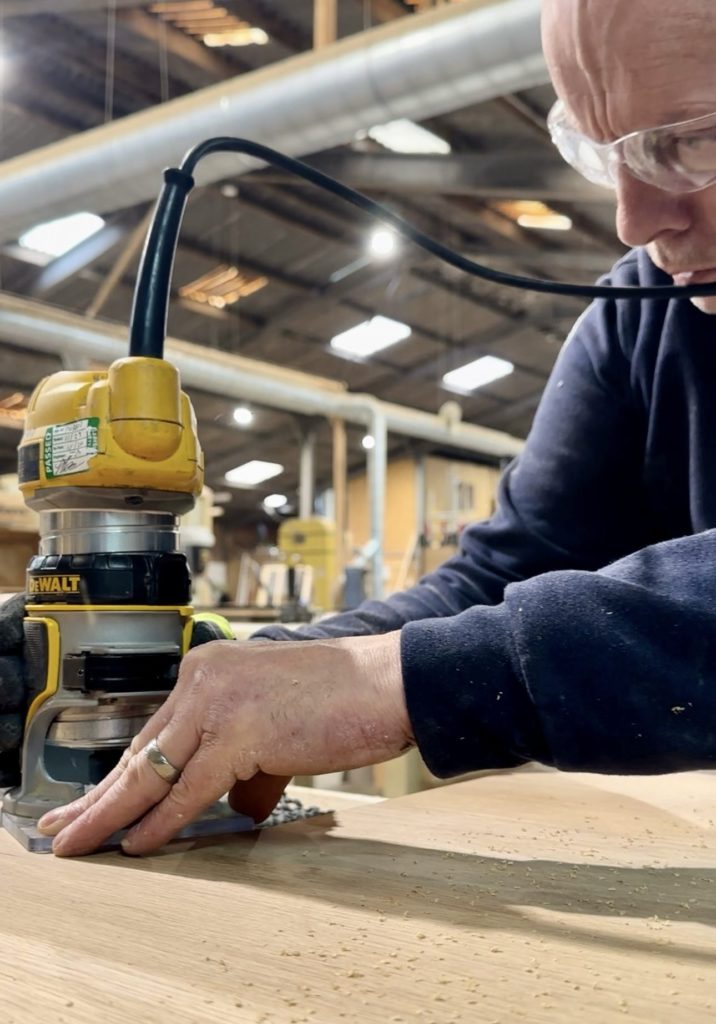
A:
298,260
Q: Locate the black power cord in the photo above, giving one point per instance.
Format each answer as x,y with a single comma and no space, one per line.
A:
151,296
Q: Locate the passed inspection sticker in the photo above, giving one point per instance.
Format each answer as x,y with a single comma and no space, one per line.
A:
68,447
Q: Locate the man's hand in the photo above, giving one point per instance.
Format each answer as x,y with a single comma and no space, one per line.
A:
12,689
243,717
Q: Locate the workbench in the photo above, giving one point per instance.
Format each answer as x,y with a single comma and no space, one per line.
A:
524,897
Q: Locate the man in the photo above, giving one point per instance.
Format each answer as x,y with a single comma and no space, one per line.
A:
577,627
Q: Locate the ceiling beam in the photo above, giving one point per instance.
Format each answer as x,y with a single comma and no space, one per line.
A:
288,34
385,10
531,174
544,311
181,45
19,8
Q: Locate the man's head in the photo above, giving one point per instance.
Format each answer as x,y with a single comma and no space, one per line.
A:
621,66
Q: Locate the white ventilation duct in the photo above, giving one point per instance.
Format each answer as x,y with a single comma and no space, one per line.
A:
415,67
40,328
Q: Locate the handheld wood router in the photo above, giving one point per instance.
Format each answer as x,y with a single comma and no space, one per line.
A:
109,460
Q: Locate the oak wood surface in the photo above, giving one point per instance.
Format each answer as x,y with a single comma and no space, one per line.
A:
521,897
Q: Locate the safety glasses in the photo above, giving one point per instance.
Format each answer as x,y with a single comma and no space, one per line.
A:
678,157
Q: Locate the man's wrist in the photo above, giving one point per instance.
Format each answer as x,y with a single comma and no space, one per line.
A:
380,679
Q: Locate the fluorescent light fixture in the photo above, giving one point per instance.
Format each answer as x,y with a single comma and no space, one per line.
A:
222,286
370,337
531,213
383,242
237,37
546,222
478,373
368,442
56,237
243,416
404,136
275,500
252,473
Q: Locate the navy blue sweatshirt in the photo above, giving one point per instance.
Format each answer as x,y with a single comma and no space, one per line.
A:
577,626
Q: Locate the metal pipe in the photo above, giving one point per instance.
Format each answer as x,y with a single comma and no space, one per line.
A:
307,474
377,474
340,459
416,67
42,328
45,329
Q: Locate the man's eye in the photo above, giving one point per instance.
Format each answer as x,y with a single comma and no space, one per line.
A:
696,152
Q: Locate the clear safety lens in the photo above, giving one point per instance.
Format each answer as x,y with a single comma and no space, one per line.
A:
677,157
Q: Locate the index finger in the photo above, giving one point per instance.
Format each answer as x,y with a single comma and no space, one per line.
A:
131,794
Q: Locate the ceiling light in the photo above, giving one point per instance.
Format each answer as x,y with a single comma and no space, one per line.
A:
229,190
222,286
368,442
207,15
13,409
275,500
56,237
547,222
370,337
243,416
13,401
530,213
181,7
383,242
252,473
237,37
215,25
478,373
403,136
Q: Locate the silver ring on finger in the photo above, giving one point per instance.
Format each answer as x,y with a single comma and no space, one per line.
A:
161,764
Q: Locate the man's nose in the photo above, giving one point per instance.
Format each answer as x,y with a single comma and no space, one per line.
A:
644,212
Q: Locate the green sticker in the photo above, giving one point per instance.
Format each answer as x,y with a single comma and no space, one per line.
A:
69,447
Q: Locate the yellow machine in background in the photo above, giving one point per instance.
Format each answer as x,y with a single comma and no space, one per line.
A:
313,542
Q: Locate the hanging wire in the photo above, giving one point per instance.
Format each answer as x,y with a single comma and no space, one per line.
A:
109,69
163,61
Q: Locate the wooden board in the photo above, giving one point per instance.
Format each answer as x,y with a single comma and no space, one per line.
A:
526,897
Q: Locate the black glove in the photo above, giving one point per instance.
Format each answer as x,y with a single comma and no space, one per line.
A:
12,689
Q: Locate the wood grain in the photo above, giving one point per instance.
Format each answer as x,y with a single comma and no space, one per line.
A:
525,897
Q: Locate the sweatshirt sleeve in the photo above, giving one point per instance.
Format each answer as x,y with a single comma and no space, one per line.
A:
557,503
611,671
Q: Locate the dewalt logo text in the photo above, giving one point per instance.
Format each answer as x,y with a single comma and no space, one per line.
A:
54,584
